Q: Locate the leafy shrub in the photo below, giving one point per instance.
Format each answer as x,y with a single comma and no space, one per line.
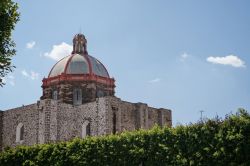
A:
213,142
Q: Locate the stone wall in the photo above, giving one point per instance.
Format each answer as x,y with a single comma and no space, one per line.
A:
28,116
71,119
133,116
47,128
65,91
51,120
152,117
61,121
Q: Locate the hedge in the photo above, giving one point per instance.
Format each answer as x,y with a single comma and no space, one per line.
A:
213,142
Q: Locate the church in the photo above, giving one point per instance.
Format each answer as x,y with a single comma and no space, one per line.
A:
78,100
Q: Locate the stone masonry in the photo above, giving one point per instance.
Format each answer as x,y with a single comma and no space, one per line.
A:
89,91
51,121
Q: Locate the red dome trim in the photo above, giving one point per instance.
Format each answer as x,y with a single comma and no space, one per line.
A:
90,66
67,64
78,77
87,59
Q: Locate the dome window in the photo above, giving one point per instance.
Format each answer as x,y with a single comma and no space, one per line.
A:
54,95
77,96
100,93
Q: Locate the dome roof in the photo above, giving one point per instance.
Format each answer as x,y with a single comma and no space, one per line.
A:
79,67
79,64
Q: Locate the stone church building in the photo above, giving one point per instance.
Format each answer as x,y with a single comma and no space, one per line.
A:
78,100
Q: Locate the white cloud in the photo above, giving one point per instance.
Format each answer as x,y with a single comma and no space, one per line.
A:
34,75
155,80
227,60
184,56
25,73
59,51
30,44
31,75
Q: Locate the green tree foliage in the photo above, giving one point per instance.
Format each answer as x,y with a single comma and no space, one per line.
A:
213,142
8,18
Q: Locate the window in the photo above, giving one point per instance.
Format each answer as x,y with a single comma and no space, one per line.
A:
54,95
114,110
88,129
100,93
20,133
114,122
77,96
85,129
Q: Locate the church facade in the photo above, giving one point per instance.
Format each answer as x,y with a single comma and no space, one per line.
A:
78,100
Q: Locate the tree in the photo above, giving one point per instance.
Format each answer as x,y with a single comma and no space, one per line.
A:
8,18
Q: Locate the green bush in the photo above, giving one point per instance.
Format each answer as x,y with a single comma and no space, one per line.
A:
213,142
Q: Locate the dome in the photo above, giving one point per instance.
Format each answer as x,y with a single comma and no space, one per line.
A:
78,78
79,64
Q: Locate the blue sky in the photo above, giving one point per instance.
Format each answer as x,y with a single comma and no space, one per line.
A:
183,55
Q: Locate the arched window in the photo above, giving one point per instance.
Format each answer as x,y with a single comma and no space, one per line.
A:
85,129
54,94
20,133
77,96
100,93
